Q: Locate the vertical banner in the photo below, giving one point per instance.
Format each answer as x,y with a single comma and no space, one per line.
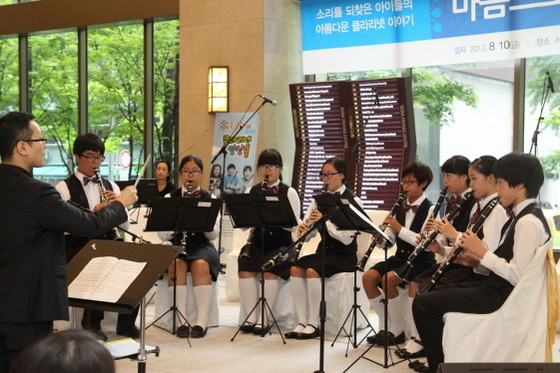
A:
238,163
240,153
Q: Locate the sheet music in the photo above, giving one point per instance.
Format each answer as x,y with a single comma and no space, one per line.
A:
105,279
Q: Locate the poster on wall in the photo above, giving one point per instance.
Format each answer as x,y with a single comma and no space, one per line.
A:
237,165
411,33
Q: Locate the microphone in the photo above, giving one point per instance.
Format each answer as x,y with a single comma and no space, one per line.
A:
550,85
276,259
274,103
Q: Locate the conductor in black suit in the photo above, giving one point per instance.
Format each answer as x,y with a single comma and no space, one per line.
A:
33,219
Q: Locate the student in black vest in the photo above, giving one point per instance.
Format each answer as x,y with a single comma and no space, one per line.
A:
402,228
340,254
83,188
519,178
200,256
458,274
253,255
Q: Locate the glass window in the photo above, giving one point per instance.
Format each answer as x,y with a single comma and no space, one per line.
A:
542,122
116,96
53,97
9,77
166,91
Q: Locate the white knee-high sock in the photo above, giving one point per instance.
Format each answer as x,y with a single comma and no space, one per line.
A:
379,308
409,327
180,301
203,297
248,292
298,288
314,298
396,309
271,293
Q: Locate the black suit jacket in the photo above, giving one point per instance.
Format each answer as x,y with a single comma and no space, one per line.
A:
33,219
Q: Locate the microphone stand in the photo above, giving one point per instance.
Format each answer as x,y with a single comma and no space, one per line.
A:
223,152
534,139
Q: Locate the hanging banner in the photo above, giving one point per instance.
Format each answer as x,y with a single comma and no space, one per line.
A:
351,35
240,153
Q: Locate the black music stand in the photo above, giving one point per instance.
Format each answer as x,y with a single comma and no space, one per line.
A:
345,216
260,211
157,257
179,214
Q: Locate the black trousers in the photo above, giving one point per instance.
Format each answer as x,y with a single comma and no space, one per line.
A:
15,337
428,310
92,319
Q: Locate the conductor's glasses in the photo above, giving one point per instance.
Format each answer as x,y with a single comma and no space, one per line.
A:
93,159
191,172
42,139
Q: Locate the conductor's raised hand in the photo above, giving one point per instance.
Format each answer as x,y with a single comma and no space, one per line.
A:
128,196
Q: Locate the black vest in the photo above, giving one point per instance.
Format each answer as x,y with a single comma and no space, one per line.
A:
273,237
193,238
461,222
334,244
505,250
404,249
73,243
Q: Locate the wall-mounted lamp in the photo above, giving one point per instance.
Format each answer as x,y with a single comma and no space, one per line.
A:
218,89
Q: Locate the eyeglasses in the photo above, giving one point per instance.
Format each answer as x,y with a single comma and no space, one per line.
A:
42,139
269,167
191,172
93,158
408,182
328,175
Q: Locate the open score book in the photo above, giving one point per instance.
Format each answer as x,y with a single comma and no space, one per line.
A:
105,279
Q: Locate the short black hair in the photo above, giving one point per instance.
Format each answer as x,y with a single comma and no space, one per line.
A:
271,157
457,165
421,172
14,127
520,168
65,352
88,141
230,166
339,165
195,158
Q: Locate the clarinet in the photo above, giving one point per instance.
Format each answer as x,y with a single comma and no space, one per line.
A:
297,251
113,234
245,249
189,189
403,272
458,250
375,238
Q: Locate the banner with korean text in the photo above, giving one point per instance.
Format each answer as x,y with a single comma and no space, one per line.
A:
354,35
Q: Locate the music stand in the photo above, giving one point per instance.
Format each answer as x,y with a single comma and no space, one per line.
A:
157,257
179,214
260,211
345,216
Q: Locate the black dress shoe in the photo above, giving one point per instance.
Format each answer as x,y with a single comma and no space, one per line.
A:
198,332
261,330
372,339
184,331
404,354
292,334
130,331
313,334
422,368
391,339
247,327
99,334
414,364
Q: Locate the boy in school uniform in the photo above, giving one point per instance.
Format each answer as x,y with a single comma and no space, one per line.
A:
519,179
